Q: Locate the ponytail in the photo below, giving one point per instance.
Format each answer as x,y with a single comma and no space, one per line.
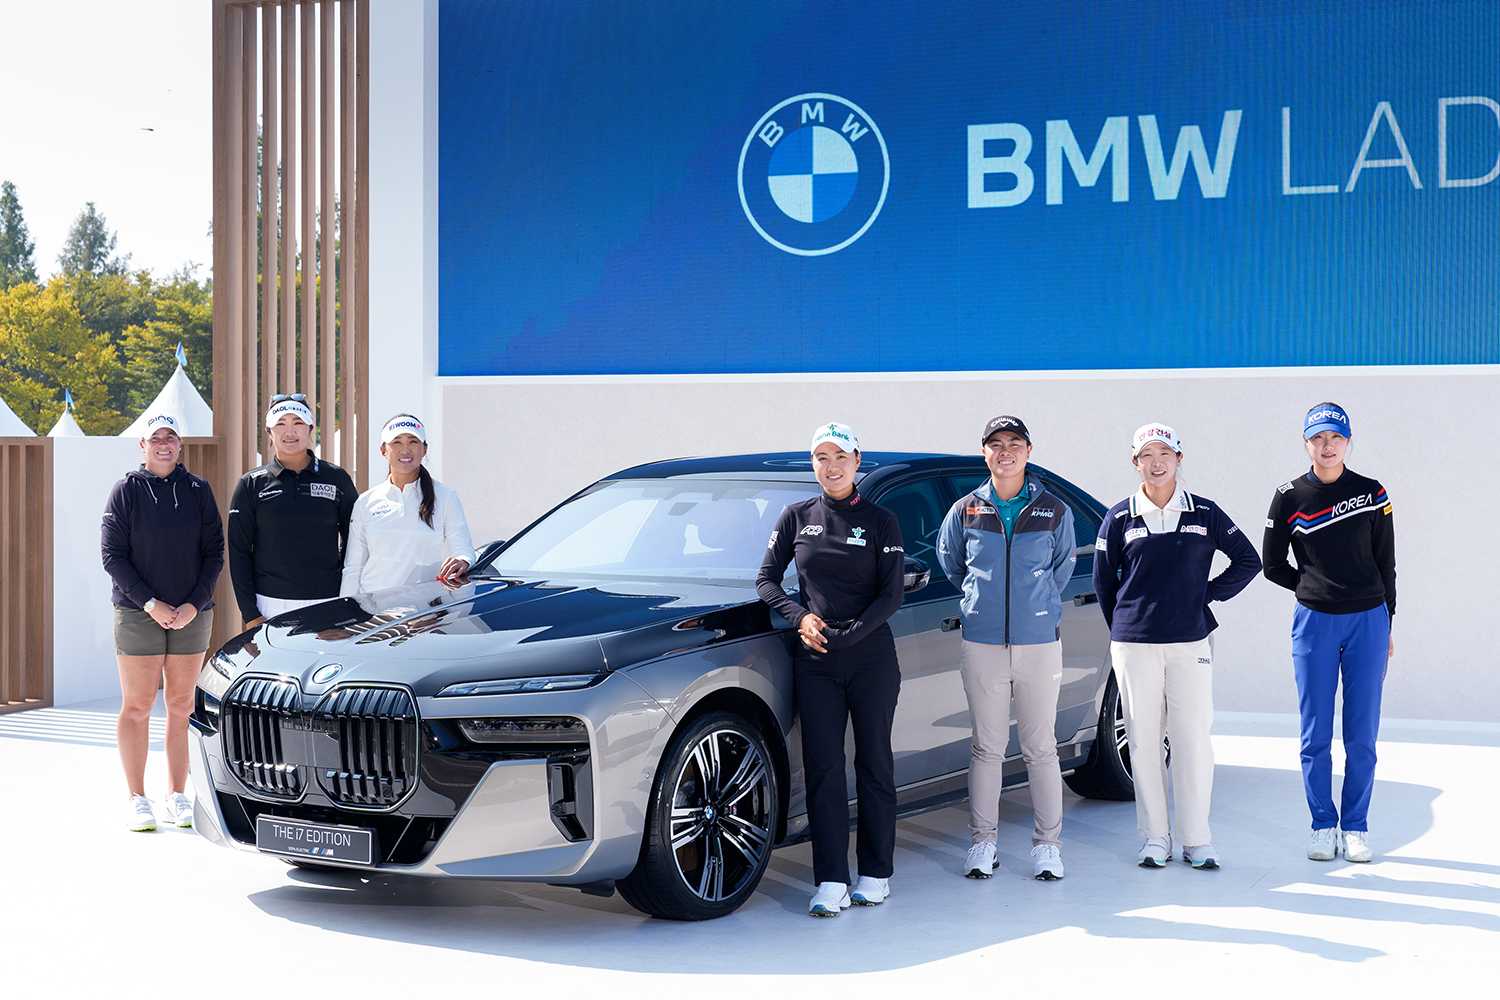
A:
428,498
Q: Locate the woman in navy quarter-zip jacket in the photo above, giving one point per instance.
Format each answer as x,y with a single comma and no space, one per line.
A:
850,565
163,548
1151,572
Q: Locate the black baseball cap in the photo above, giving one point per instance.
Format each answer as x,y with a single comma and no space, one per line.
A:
1014,425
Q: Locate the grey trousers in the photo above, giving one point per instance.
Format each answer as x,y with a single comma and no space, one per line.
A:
995,679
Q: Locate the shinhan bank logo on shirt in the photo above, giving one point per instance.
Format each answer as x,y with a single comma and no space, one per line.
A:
813,174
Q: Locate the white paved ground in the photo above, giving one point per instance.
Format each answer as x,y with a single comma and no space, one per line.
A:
89,909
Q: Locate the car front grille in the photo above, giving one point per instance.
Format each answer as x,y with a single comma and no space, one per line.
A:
360,742
253,716
376,730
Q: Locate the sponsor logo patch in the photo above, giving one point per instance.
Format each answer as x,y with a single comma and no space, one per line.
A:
856,537
323,491
1044,513
1270,523
774,535
1194,529
892,548
1285,487
1101,544
1204,659
1134,533
976,509
811,530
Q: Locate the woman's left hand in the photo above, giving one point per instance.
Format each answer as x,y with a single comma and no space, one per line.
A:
185,615
453,570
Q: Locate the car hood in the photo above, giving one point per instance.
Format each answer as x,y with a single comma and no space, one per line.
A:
519,627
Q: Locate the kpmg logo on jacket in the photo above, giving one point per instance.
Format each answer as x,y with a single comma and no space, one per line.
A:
813,174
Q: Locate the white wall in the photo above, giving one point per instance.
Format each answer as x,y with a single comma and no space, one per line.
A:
83,642
513,447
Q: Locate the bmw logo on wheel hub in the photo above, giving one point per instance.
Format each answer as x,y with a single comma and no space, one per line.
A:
813,174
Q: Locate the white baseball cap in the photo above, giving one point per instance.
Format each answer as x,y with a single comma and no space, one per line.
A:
403,423
1147,433
840,434
296,405
157,421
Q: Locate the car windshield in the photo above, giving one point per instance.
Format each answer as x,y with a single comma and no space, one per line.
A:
706,530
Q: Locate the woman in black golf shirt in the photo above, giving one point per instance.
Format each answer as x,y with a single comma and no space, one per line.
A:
849,567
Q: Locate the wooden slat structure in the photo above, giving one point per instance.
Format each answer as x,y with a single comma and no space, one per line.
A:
291,245
25,573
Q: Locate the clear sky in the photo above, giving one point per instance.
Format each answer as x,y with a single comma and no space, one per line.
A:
80,84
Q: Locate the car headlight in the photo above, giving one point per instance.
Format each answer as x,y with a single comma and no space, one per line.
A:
522,685
215,677
524,730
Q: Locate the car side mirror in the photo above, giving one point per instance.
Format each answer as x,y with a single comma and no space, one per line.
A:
915,576
489,550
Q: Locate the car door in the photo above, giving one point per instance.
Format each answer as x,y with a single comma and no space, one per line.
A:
930,736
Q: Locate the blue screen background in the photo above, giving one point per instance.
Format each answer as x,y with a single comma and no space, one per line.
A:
589,220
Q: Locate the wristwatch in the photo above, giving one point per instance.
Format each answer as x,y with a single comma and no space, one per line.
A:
149,606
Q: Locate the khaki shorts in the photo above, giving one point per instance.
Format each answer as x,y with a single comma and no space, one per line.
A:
137,634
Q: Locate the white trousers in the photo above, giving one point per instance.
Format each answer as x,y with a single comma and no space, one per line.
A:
1168,690
270,607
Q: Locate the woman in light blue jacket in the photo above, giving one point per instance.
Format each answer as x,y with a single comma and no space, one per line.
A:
1008,546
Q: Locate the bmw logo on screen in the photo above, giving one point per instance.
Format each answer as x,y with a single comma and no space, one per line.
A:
813,174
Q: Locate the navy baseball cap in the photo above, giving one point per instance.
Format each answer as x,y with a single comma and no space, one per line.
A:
1014,425
1326,417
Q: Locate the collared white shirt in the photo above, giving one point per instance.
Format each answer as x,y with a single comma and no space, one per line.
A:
389,543
1159,520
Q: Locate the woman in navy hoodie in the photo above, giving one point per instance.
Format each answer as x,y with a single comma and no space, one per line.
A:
163,547
1151,567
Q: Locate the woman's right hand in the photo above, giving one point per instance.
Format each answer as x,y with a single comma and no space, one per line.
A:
810,630
163,614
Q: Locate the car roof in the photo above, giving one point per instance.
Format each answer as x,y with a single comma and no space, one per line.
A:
790,466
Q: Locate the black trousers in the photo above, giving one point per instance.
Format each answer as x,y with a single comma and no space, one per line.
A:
858,685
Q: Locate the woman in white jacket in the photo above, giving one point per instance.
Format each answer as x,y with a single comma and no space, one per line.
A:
408,528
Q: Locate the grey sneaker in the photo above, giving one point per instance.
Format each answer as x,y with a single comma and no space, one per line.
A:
981,862
1155,853
1046,862
1323,845
141,818
179,810
1202,857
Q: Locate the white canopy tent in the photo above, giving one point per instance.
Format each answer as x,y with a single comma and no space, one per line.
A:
66,426
12,425
180,399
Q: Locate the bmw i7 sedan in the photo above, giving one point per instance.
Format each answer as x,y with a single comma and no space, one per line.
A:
604,703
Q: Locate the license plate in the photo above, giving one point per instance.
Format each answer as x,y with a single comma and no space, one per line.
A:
319,841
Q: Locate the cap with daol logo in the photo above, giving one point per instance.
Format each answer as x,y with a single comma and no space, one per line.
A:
1326,417
1147,433
157,421
840,434
295,405
1015,425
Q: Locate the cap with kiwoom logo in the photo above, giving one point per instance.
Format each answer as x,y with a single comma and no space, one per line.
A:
403,423
1014,425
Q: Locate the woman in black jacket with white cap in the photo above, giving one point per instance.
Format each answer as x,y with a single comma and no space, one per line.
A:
163,546
850,565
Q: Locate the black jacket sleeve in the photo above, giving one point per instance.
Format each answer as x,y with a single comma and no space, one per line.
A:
242,547
1384,538
1275,544
891,568
347,496
1106,567
211,548
773,566
114,544
1244,564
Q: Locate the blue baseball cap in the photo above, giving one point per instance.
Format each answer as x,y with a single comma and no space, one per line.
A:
1326,417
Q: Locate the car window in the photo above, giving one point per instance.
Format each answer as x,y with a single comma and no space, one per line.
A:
919,507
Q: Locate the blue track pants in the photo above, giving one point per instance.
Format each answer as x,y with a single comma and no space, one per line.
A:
1324,648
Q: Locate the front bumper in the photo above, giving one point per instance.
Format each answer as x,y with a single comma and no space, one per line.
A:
565,815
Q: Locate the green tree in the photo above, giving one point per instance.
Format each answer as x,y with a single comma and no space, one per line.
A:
90,246
17,263
110,304
45,347
183,312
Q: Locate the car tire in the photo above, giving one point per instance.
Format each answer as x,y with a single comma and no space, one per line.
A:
1106,774
716,799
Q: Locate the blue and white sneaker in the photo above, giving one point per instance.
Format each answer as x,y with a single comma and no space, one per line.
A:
1155,853
870,891
1203,857
831,899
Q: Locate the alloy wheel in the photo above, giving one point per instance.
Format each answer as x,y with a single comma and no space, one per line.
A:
721,814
